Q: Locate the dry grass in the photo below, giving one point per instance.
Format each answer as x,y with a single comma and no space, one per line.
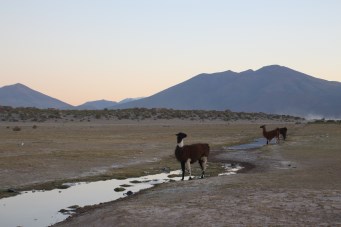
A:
295,183
51,153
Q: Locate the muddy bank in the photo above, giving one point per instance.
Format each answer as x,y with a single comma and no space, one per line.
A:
295,183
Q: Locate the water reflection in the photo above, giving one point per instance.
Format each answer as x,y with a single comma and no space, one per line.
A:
231,168
257,143
41,208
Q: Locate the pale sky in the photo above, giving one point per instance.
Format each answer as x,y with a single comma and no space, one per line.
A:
85,50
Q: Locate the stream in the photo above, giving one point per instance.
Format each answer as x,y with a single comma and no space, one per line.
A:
257,143
43,208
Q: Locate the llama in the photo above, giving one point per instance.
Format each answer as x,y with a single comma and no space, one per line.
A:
189,154
283,132
269,135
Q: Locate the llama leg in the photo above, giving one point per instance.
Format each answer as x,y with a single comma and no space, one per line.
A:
183,170
277,135
202,168
188,165
203,165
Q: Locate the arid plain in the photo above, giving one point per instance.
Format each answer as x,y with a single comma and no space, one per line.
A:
295,183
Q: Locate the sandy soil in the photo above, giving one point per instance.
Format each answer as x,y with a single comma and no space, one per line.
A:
295,183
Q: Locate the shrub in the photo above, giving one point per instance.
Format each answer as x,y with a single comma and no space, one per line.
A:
16,129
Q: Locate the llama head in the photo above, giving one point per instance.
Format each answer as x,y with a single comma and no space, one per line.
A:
180,136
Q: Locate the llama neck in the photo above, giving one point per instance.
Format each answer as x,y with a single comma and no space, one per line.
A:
181,144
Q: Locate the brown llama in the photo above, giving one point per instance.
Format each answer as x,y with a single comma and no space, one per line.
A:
189,154
269,135
283,132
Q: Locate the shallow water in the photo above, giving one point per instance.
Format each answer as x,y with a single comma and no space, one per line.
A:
42,208
231,168
257,143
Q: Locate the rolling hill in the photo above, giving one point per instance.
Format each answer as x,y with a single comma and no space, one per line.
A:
96,105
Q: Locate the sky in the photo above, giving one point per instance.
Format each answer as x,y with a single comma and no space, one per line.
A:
86,50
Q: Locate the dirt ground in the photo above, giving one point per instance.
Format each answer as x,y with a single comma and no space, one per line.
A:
52,153
295,183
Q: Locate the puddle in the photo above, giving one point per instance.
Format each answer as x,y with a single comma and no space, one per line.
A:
257,143
231,168
44,208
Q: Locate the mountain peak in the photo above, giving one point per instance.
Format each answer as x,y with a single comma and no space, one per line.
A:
17,85
19,95
247,71
272,68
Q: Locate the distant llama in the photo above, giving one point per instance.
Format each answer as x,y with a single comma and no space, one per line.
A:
283,132
269,135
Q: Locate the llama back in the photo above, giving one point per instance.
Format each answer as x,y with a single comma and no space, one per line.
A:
201,150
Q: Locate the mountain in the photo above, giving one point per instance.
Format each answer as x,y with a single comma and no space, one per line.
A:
102,104
271,89
128,100
96,105
19,95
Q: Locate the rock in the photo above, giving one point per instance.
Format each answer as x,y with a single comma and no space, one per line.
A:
12,190
63,186
135,181
166,170
119,189
63,211
128,193
74,207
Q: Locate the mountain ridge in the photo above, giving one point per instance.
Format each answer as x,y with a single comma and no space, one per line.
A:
271,89
20,95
